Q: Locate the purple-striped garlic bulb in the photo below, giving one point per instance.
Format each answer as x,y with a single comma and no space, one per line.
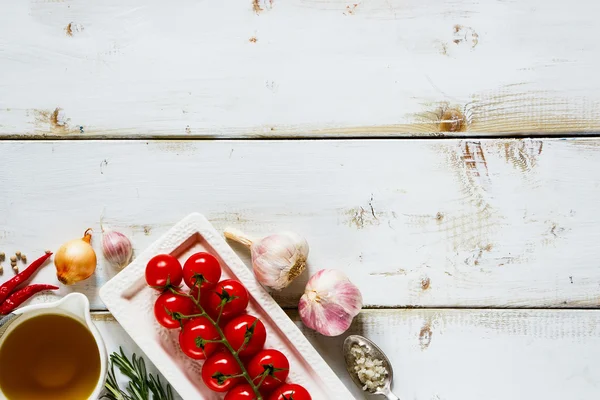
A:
277,259
330,302
116,247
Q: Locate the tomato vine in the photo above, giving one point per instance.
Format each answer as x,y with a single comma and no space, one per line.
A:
223,340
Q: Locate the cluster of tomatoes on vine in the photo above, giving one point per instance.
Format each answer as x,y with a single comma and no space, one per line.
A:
215,327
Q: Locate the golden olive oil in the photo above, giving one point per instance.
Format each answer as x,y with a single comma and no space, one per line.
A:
49,357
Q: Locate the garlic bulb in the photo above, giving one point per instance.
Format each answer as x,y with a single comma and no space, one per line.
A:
116,247
330,302
276,259
75,260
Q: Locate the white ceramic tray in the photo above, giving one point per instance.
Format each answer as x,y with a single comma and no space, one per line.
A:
131,302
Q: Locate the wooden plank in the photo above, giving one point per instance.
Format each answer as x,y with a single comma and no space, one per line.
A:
256,68
432,223
468,354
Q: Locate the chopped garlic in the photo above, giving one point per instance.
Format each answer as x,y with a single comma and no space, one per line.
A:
370,371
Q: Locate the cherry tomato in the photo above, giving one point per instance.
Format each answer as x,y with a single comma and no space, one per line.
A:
216,369
163,270
242,327
272,365
290,391
192,337
241,392
232,295
202,265
168,303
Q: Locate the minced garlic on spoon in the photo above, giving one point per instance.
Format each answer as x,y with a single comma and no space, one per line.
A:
369,370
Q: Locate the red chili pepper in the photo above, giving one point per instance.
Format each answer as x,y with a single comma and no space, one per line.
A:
20,296
10,285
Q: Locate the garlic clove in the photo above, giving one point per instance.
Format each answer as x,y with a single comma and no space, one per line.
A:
330,302
116,247
276,259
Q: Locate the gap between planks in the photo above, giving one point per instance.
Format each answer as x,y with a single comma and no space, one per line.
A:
105,315
275,138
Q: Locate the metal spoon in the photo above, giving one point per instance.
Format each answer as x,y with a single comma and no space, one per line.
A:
372,350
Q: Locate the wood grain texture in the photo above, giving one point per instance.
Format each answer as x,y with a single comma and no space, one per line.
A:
519,355
271,68
425,223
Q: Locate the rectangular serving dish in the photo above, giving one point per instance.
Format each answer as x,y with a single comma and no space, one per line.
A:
131,302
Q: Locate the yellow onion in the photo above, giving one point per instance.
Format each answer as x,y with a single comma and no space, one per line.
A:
75,260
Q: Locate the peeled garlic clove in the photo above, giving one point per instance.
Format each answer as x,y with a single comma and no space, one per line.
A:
330,302
116,247
75,260
276,259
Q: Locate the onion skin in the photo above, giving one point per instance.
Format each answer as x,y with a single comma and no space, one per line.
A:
75,260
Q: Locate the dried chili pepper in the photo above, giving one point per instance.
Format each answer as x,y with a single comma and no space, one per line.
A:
8,286
20,296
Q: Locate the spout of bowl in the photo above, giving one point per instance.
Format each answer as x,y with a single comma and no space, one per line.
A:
76,304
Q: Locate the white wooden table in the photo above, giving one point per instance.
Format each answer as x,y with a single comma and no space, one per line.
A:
455,178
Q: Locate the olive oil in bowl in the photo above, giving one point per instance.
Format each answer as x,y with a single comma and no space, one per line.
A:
49,357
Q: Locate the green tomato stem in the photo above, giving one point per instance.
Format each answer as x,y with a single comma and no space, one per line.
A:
262,379
224,340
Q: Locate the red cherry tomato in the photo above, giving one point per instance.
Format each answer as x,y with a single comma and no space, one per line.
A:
241,392
216,369
290,392
203,265
231,295
169,303
193,336
163,270
242,327
272,365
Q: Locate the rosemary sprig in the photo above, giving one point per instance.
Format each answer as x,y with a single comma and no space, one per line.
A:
141,384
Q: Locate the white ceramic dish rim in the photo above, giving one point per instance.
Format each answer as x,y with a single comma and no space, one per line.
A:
112,296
